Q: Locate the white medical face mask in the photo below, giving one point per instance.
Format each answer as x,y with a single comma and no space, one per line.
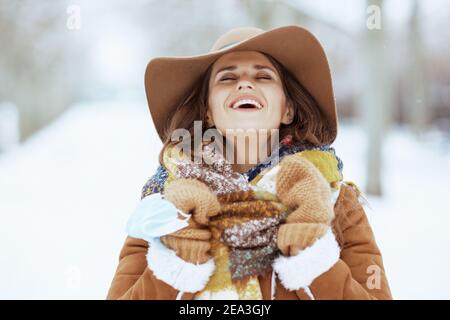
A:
155,217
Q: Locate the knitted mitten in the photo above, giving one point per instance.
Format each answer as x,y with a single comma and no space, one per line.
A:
293,237
191,196
301,187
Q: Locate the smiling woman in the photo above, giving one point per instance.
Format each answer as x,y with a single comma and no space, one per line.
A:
288,227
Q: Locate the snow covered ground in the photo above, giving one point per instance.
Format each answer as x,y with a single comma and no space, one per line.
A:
411,221
66,194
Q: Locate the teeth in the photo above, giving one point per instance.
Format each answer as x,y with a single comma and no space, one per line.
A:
239,103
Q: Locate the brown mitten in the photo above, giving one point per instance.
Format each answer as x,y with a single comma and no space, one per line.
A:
193,251
192,196
293,237
302,188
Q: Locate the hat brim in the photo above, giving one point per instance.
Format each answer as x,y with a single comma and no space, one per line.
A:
168,79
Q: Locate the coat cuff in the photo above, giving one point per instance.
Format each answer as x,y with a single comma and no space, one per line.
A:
180,274
300,270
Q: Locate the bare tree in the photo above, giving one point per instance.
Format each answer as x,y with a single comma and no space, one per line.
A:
36,61
416,93
376,96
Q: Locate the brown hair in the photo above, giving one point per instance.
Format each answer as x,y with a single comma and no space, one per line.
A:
308,118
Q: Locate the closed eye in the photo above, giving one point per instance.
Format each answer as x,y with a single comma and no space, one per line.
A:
266,77
225,79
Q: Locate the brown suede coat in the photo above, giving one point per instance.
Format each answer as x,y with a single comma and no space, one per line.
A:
352,277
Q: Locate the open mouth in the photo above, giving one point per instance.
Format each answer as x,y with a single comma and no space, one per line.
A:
247,105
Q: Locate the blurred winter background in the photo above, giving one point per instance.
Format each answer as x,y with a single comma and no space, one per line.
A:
77,143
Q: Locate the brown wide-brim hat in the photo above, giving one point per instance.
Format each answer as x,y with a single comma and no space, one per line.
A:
168,79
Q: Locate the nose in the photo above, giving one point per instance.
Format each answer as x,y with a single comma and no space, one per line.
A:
244,84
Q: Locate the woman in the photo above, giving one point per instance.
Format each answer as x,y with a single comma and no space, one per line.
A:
283,226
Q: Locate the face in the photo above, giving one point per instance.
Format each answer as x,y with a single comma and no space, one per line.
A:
246,92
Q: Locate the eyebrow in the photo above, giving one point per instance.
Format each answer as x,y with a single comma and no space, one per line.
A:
256,66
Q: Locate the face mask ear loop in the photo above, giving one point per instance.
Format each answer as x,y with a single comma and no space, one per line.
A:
185,215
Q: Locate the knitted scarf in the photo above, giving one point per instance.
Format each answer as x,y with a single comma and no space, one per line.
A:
244,233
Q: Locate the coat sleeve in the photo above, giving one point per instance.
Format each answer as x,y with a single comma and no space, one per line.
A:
151,271
154,272
326,271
